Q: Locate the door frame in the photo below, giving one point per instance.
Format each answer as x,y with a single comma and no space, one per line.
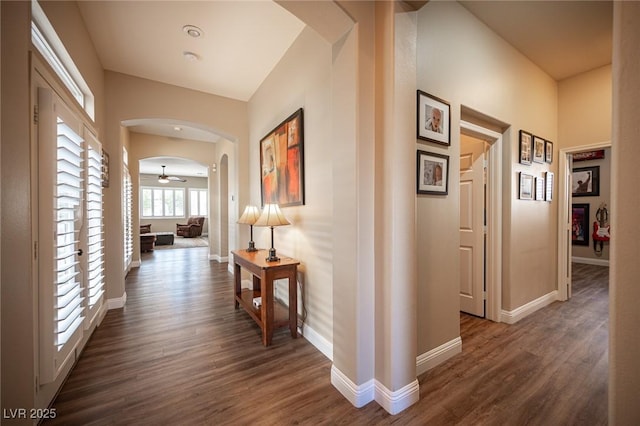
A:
493,251
564,235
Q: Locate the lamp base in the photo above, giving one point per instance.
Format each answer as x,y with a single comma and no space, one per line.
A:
272,256
252,246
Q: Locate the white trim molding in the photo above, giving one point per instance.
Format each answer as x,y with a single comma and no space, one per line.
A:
590,261
221,259
360,395
437,356
397,401
118,302
317,340
357,395
512,317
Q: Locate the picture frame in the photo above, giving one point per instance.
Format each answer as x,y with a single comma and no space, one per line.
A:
597,154
585,181
548,179
432,173
548,152
434,119
525,186
105,169
580,224
526,141
282,163
538,149
540,188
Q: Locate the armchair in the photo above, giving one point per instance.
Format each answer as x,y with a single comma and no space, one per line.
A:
193,227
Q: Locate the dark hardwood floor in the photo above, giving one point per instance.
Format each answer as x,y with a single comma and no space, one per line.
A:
180,354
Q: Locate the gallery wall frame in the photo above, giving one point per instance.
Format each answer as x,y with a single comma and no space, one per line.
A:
585,181
526,182
432,173
434,119
538,149
548,178
282,163
526,140
580,224
548,152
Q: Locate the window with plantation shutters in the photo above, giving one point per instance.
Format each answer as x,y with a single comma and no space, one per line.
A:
61,212
127,205
94,230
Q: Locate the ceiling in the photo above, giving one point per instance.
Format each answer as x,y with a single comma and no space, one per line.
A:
175,167
242,41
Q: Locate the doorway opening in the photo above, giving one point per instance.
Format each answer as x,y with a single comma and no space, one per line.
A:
480,221
565,214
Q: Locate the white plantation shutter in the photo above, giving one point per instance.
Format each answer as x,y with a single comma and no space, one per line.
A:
127,205
94,230
60,222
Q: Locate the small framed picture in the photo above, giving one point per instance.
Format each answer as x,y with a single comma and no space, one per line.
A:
538,149
525,147
526,186
585,182
548,151
549,186
434,119
540,188
432,173
580,224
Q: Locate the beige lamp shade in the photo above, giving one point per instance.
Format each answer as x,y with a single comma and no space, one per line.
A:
271,216
250,215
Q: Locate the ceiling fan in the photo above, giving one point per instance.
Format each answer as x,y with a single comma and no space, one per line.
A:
163,178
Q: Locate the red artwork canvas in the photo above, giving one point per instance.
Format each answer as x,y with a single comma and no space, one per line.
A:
282,163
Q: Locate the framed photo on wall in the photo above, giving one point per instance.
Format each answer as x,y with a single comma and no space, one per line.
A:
540,188
526,186
525,147
538,149
282,163
580,224
434,119
549,186
585,182
548,152
432,173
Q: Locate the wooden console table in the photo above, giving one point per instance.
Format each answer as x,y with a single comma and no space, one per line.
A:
271,314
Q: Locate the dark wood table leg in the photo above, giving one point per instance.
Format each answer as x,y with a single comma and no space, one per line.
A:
266,286
293,303
238,283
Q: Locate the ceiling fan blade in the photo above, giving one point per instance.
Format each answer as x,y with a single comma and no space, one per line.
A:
176,179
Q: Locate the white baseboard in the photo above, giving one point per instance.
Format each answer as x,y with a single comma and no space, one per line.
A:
437,356
590,261
357,395
117,302
397,401
317,340
512,317
136,264
220,259
360,395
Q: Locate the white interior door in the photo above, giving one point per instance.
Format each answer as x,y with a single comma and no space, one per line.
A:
472,227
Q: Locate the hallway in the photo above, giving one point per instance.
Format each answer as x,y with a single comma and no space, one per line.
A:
179,353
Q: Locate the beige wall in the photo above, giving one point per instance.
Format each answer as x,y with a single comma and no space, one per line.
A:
463,62
624,344
301,79
584,109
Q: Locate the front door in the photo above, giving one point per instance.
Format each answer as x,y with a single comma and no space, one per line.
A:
472,225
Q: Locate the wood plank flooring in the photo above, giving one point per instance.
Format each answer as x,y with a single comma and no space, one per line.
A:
180,354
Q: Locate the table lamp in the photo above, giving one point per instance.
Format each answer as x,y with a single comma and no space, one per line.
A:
271,216
249,217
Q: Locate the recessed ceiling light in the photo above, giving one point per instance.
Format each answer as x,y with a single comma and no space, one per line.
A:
190,56
193,31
